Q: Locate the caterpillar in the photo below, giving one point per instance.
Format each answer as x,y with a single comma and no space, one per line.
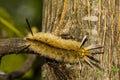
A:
63,50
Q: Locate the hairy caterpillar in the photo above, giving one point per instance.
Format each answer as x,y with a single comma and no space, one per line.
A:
59,49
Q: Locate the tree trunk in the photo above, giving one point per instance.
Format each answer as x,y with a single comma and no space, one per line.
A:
96,19
76,18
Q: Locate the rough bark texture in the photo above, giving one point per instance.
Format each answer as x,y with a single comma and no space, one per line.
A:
12,45
16,46
73,18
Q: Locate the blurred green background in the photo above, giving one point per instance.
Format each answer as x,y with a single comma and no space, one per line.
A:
12,24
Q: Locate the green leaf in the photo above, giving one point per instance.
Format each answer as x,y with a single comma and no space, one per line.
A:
12,62
10,26
4,14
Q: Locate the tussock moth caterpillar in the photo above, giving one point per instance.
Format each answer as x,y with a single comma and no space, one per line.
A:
68,51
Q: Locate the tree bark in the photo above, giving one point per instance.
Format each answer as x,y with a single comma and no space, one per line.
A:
77,18
12,45
97,20
16,46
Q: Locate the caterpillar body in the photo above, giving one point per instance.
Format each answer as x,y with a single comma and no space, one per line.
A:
63,50
54,47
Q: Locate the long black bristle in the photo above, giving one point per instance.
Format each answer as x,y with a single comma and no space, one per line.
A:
92,58
95,48
83,41
88,63
96,65
29,27
23,48
92,64
97,53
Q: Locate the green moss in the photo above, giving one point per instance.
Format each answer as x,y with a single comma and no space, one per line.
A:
115,69
98,72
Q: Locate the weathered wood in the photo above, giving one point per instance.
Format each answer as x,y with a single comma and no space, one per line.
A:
74,17
16,46
13,45
68,17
